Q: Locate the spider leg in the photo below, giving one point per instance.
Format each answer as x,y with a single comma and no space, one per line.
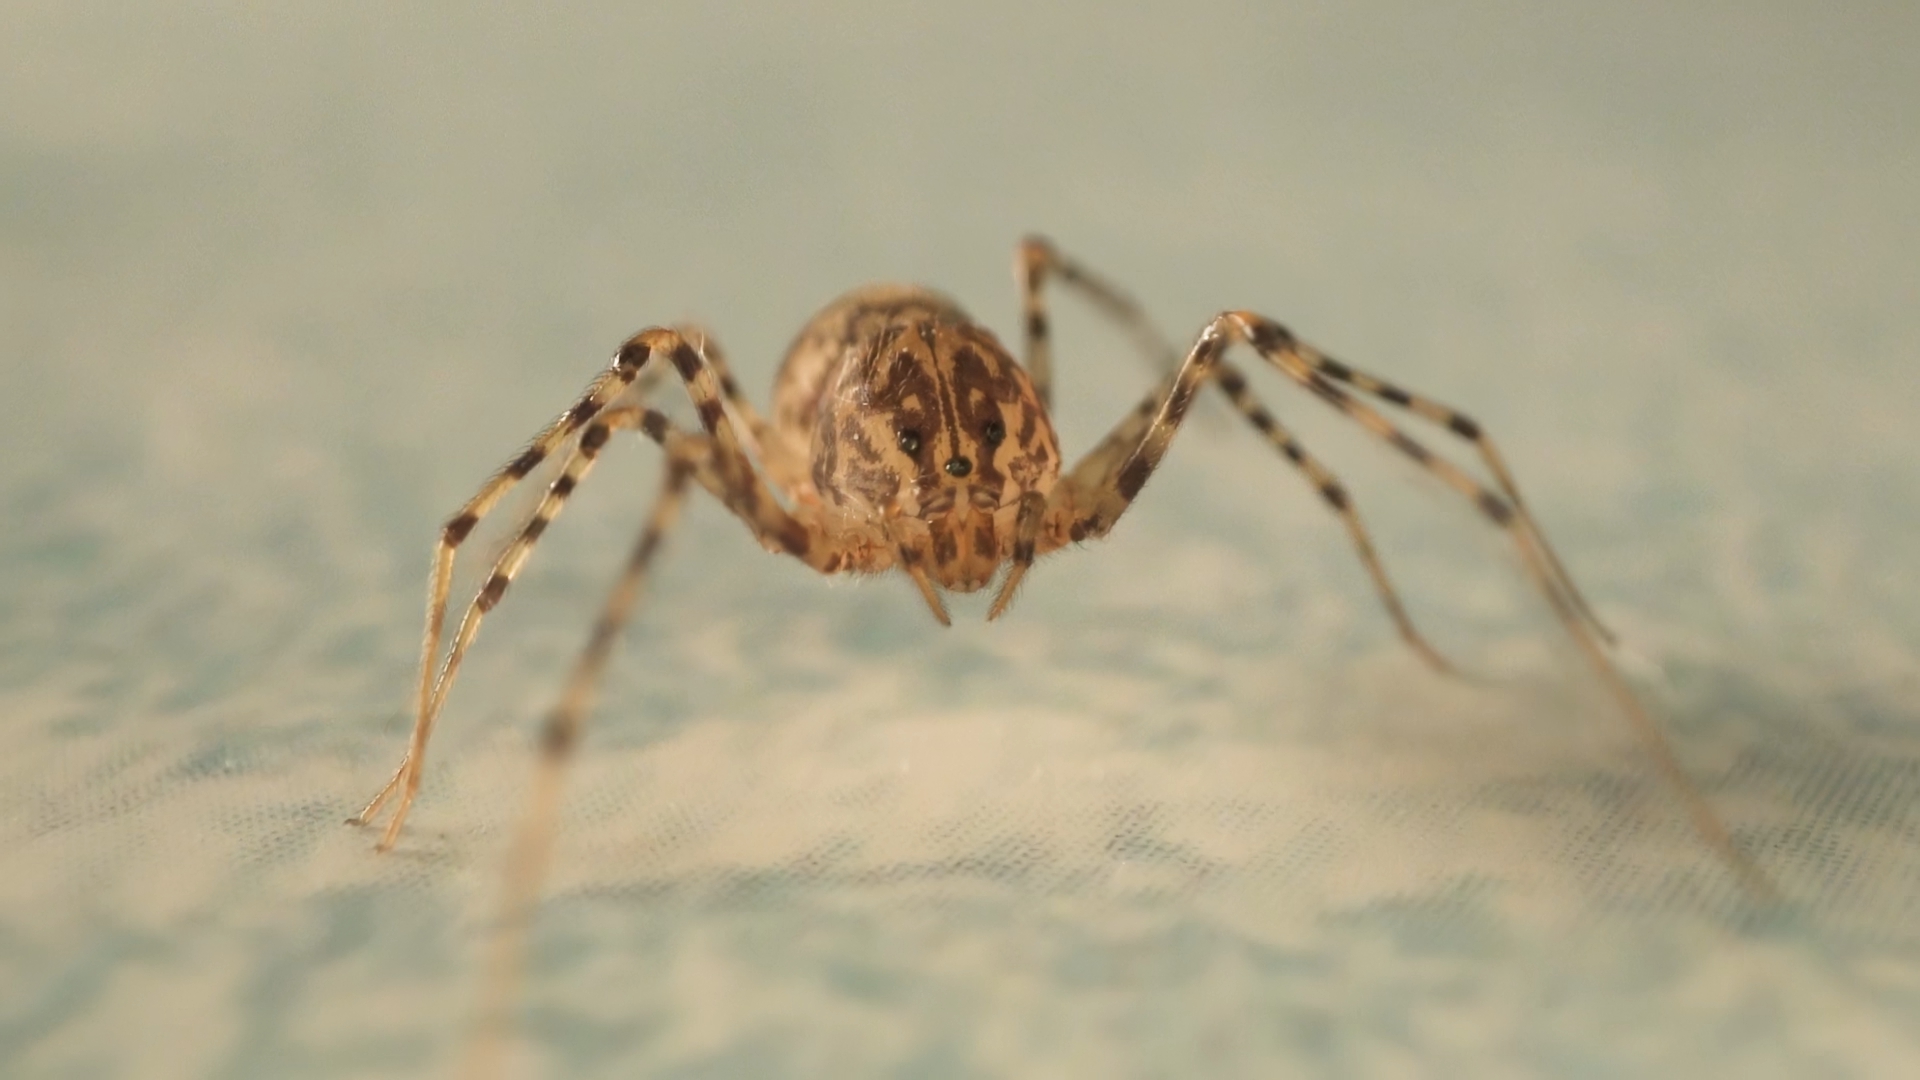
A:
699,461
703,341
1038,259
405,782
689,457
606,386
1279,348
728,472
1234,385
1465,427
532,845
1089,500
1035,262
1317,372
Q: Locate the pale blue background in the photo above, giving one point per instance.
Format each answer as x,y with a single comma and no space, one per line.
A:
280,283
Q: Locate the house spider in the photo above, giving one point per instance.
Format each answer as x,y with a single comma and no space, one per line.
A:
905,437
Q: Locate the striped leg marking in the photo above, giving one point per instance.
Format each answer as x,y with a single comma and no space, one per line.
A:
1036,261
1112,474
1234,385
1309,368
406,780
532,847
1464,427
1087,502
704,343
604,388
583,425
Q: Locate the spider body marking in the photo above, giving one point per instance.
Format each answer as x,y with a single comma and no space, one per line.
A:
916,425
905,437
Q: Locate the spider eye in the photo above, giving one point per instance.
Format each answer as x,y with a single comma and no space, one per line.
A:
995,432
909,441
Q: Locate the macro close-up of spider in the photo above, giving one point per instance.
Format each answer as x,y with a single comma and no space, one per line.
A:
1511,671
905,437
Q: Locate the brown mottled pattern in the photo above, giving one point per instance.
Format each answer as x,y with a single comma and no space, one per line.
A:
898,394
822,348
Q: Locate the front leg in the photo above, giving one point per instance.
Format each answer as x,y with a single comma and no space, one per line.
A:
1089,501
576,438
1037,261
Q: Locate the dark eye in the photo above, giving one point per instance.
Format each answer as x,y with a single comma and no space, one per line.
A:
995,433
909,441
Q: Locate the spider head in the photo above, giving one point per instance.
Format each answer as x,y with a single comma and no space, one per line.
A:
935,431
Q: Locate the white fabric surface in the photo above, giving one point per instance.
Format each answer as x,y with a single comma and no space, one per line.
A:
281,284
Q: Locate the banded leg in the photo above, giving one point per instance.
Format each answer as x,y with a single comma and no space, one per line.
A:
1038,259
604,388
405,782
1089,500
1279,348
745,492
1234,385
709,349
531,850
1465,427
1120,443
1303,364
698,459
740,489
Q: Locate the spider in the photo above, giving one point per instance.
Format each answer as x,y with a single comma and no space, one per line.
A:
905,437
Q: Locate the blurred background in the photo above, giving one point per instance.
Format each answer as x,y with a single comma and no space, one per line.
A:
281,284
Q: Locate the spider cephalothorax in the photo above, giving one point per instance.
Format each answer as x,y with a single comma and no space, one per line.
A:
931,433
904,437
